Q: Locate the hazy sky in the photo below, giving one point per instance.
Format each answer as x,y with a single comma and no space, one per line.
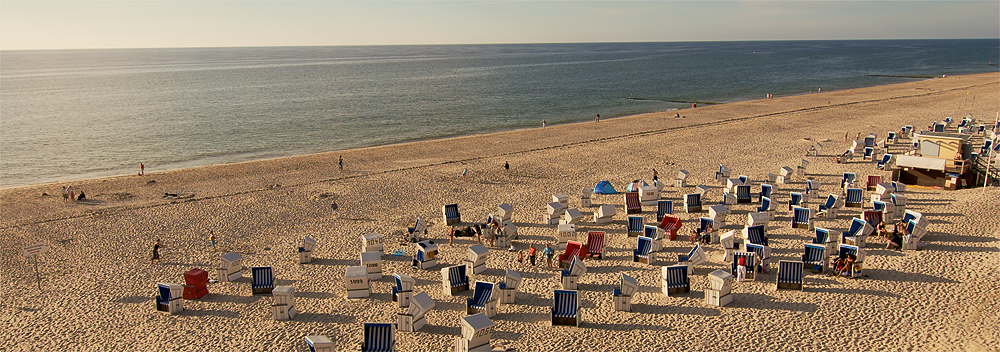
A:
131,24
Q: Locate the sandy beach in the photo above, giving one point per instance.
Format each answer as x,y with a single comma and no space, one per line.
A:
98,282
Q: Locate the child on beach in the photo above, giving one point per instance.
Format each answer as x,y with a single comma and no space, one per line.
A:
211,238
520,257
156,252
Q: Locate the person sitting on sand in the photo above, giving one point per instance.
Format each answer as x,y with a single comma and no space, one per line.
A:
838,266
896,241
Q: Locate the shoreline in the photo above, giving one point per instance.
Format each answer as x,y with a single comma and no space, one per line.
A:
97,279
85,179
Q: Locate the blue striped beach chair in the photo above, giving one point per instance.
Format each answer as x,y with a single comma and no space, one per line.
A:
795,200
263,279
565,308
378,337
635,226
881,164
790,275
765,206
755,234
571,277
675,280
743,194
802,218
815,258
451,214
656,234
692,203
664,207
855,198
642,253
763,254
831,207
744,179
751,259
454,279
694,257
483,300
765,191
508,287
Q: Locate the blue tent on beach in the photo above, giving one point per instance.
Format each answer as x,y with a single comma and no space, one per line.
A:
604,187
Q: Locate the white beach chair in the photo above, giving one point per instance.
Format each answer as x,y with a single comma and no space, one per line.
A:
475,258
454,280
413,319
477,330
402,292
372,261
720,286
622,296
356,282
426,255
508,288
283,307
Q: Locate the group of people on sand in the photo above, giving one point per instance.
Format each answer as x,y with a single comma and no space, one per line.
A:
69,194
549,253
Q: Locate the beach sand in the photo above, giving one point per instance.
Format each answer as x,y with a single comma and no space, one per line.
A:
98,282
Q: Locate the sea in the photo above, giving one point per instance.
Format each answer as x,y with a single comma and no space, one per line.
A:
69,115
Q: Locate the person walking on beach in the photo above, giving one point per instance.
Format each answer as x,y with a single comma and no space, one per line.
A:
598,118
341,163
548,252
464,171
65,194
142,169
451,236
532,253
72,193
655,176
156,252
543,123
211,238
506,168
845,136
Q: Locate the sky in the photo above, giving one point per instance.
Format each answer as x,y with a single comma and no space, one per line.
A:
187,23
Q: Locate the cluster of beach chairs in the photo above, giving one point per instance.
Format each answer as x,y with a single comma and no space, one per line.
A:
745,251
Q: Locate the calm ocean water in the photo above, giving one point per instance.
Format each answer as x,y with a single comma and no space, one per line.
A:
77,114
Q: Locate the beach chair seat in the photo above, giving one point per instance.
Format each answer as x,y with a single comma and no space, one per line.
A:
675,280
873,181
802,218
765,191
873,218
229,269
565,233
681,179
831,208
283,307
604,214
790,275
815,258
670,224
574,250
595,244
898,205
743,194
718,215
570,278
751,260
426,256
758,219
763,254
648,195
766,206
378,337
169,298
795,199
856,270
477,331
483,300
565,308
402,292
858,233
195,284
263,279
730,244
419,228
784,175
356,281
475,258
571,216
643,253
755,234
454,280
663,208
319,343
855,198
694,257
451,214
703,191
635,226
632,204
723,174
827,238
372,242
622,296
692,203
508,288
719,290
413,319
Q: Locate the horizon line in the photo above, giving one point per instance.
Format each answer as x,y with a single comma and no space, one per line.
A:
528,43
